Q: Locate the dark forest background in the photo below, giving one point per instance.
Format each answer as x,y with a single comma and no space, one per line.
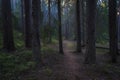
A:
35,35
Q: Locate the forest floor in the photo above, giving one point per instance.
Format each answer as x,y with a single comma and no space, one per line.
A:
70,66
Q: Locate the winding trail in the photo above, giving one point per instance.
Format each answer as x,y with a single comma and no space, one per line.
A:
76,70
70,62
70,67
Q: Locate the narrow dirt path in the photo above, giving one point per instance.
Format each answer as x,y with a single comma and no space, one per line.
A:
76,70
70,67
70,62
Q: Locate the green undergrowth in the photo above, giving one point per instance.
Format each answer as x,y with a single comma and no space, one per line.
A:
106,70
13,65
1,40
18,39
101,51
111,69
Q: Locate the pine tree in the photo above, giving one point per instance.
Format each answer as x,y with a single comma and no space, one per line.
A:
36,43
90,56
8,40
28,24
78,26
113,42
60,28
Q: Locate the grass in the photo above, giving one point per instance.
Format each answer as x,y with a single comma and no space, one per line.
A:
48,71
15,64
101,51
18,39
111,68
1,40
12,65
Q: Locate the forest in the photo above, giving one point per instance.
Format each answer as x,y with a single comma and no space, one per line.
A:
59,39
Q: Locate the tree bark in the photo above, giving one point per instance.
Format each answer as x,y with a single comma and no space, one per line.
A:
28,24
8,41
113,42
49,13
90,55
78,26
83,22
22,15
36,43
60,28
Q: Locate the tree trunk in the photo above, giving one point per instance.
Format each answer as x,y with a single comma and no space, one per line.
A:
78,26
28,24
113,42
22,15
85,13
90,55
83,22
118,25
60,28
49,13
8,41
36,43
